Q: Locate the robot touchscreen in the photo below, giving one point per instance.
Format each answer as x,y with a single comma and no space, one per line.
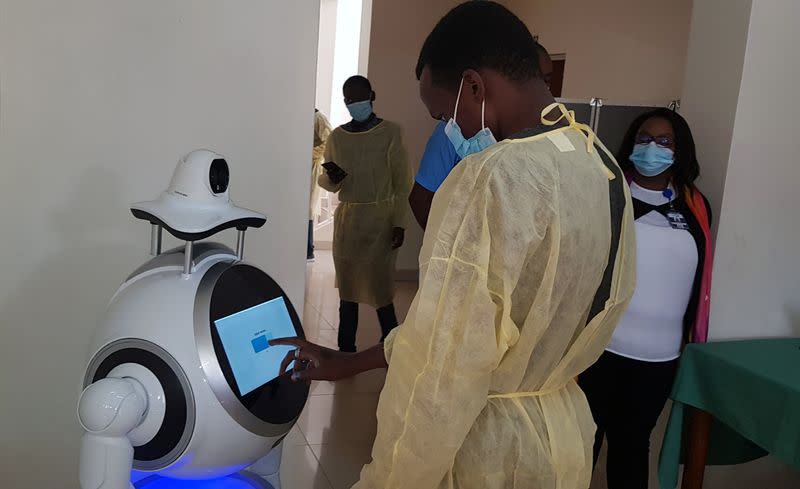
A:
245,337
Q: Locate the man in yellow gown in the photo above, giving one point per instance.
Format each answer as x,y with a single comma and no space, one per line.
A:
367,164
526,267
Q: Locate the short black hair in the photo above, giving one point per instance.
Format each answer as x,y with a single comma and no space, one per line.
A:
357,82
475,35
540,50
685,169
542,53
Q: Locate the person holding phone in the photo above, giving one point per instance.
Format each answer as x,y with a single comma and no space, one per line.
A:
367,165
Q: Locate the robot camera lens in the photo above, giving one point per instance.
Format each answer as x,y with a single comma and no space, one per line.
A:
218,176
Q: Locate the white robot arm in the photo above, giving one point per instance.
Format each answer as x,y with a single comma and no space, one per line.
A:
108,410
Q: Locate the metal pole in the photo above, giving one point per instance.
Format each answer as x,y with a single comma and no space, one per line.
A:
599,103
240,245
155,239
187,258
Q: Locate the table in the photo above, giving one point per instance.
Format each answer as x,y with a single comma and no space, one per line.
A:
743,401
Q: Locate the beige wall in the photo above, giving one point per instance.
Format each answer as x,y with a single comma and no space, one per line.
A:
98,100
398,31
629,52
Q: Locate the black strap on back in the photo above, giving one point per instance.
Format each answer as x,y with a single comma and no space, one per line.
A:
616,193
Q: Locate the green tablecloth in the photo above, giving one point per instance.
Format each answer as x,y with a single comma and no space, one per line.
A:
752,388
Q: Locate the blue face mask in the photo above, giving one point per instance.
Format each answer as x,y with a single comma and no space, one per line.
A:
477,143
651,159
360,111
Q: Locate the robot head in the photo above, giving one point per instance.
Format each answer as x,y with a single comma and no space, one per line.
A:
202,177
197,203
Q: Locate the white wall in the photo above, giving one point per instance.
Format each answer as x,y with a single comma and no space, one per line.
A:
714,66
98,99
325,54
346,63
742,104
757,273
366,31
344,39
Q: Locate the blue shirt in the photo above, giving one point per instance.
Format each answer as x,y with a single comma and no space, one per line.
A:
438,160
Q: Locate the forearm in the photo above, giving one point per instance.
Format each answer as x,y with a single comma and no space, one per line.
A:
370,359
420,202
420,211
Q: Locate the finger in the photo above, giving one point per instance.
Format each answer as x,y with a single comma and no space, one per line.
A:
297,363
296,342
307,355
287,360
291,355
306,375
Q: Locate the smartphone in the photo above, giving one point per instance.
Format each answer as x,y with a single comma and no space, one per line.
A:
330,166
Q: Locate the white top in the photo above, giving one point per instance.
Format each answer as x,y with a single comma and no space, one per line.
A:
666,262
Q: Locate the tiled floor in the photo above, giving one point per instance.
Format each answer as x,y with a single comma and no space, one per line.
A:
333,437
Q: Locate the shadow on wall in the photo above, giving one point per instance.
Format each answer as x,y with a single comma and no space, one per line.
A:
793,314
47,325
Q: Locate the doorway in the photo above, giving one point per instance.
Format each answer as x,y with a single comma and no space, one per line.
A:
343,51
557,78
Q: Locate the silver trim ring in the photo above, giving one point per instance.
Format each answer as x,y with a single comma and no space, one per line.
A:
210,365
188,429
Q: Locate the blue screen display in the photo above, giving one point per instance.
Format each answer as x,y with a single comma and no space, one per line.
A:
245,337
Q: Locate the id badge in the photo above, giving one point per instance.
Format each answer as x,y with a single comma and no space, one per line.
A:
677,221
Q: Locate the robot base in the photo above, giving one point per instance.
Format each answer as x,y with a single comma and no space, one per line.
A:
242,480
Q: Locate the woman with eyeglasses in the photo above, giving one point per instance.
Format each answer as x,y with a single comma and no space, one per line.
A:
629,385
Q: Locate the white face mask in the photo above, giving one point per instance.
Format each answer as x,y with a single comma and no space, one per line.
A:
477,143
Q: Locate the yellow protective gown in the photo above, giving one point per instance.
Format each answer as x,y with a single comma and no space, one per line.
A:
373,199
480,391
322,129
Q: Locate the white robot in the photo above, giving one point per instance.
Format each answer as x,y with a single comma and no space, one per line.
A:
182,388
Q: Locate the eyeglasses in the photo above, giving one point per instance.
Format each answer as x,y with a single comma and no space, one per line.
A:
663,141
